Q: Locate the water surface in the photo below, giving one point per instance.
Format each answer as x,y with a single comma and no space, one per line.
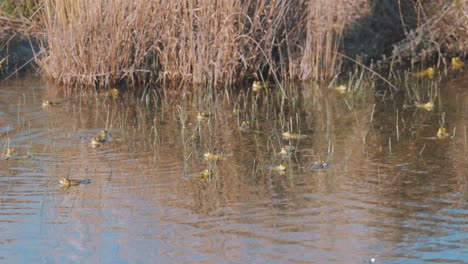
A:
391,191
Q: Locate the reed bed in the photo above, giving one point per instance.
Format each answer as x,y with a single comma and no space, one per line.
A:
187,44
218,43
441,29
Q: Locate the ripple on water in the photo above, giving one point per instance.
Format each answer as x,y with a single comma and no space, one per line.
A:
399,206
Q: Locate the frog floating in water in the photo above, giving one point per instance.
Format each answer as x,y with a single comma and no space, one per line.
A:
456,63
114,93
245,126
442,133
206,174
429,106
212,156
278,168
429,73
101,138
289,135
342,89
65,181
259,86
47,103
321,164
203,116
10,154
287,151
97,142
104,135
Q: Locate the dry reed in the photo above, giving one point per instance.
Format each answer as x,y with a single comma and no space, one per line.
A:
222,43
101,43
442,29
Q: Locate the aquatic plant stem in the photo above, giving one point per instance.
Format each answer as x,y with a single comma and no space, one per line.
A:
370,70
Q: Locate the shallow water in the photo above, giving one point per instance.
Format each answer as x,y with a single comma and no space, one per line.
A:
390,192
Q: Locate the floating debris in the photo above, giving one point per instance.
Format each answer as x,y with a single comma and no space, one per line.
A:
429,73
403,164
414,171
456,63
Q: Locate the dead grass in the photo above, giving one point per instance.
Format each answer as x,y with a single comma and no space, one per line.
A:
442,29
101,43
220,44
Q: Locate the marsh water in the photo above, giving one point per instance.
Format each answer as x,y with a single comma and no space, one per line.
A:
392,192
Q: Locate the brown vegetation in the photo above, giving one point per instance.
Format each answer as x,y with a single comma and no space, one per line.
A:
221,43
214,42
441,29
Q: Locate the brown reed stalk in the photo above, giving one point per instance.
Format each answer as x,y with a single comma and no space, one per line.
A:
218,43
442,29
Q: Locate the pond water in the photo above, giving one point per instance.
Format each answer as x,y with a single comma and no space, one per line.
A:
392,192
